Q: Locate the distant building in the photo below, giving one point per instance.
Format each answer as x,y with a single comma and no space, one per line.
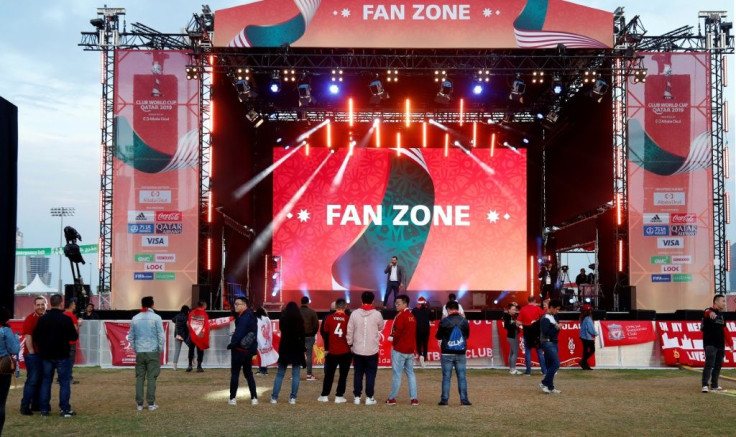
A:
38,265
20,262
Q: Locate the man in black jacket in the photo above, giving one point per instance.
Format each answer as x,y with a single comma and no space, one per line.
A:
53,333
423,315
311,327
453,349
395,279
714,342
243,345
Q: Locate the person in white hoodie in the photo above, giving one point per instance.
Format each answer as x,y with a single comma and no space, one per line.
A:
364,337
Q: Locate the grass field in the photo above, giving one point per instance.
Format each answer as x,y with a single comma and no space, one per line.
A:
598,403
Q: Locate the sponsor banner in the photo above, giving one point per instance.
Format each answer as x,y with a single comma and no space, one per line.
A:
140,216
143,257
164,258
168,216
41,251
659,218
661,278
656,231
154,267
154,196
682,343
140,228
624,333
682,277
684,219
164,276
681,259
669,199
684,230
122,353
168,228
661,259
369,24
143,276
569,346
670,243
155,241
671,268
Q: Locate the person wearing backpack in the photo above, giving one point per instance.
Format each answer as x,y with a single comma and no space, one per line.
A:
243,346
714,336
453,332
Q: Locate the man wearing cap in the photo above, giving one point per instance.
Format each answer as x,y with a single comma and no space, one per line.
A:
423,315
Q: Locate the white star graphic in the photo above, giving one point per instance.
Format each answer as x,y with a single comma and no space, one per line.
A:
334,12
498,12
487,12
345,13
303,215
492,216
506,216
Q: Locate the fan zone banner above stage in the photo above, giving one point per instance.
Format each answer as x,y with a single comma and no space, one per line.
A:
671,183
155,179
413,24
455,222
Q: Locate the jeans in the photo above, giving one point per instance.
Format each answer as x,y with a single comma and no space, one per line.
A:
713,363
72,356
32,388
332,362
458,361
177,350
588,351
4,389
553,363
147,367
393,287
200,355
528,359
422,343
63,369
295,371
309,351
241,360
402,362
513,351
365,365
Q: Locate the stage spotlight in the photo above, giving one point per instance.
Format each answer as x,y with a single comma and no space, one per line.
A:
378,92
392,76
254,117
440,75
599,89
336,76
245,92
589,76
552,116
587,300
289,75
334,88
518,88
495,301
557,87
640,76
444,95
305,94
242,74
275,85
477,89
192,72
525,140
538,77
540,116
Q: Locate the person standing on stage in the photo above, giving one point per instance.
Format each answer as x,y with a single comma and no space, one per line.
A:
334,333
89,313
403,338
423,315
364,337
70,311
146,337
549,328
529,316
291,351
512,325
31,400
395,279
714,342
452,298
54,331
580,279
311,327
199,334
453,333
587,335
243,346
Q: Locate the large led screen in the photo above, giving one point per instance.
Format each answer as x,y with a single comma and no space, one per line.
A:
456,222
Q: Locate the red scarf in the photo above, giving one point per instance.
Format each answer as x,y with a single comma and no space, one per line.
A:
199,328
366,307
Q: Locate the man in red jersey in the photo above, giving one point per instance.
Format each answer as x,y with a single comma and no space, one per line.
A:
403,338
34,366
529,316
337,351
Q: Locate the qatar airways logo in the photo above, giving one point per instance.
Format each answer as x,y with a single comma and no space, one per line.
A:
402,215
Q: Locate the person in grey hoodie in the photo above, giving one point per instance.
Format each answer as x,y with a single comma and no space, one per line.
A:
364,337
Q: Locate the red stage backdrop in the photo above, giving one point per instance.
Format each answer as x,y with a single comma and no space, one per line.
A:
682,343
456,222
670,184
417,24
122,353
155,175
569,346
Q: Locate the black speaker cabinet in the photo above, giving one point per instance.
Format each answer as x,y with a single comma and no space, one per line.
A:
202,292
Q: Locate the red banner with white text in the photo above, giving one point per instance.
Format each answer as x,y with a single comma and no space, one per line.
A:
682,343
627,333
569,346
122,353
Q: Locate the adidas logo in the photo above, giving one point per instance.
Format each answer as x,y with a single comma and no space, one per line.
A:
140,216
656,219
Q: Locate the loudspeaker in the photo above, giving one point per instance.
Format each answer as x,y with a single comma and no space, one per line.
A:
202,292
81,293
626,298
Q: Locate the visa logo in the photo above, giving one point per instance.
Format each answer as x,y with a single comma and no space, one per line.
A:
155,241
670,243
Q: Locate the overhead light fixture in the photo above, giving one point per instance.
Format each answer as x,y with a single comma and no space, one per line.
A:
557,86
254,117
334,88
192,72
538,77
392,76
640,75
589,76
289,76
599,89
336,76
378,92
244,90
305,94
440,75
477,89
275,85
518,88
444,95
242,74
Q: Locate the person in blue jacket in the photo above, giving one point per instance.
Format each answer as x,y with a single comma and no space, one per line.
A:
549,328
587,335
9,345
243,346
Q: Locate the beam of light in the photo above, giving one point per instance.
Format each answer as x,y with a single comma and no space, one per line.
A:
424,134
264,238
462,107
620,255
447,144
493,143
531,275
407,117
306,149
309,133
350,112
337,180
377,127
510,147
243,190
486,168
618,209
329,135
475,133
398,143
209,207
351,146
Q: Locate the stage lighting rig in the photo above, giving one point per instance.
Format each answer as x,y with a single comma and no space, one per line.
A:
589,76
518,88
244,90
254,117
444,95
538,77
242,74
305,94
378,92
640,76
440,75
193,71
599,89
275,85
392,76
557,86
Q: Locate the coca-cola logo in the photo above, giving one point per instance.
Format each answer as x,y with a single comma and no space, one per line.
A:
683,218
168,216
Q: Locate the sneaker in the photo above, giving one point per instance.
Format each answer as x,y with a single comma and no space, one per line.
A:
415,402
189,369
292,401
442,403
273,401
356,401
68,413
705,389
311,377
259,374
553,391
254,401
232,402
139,407
174,367
44,414
370,401
465,403
26,411
527,374
514,372
340,400
200,370
323,399
153,407
718,389
542,386
421,361
391,402
75,381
